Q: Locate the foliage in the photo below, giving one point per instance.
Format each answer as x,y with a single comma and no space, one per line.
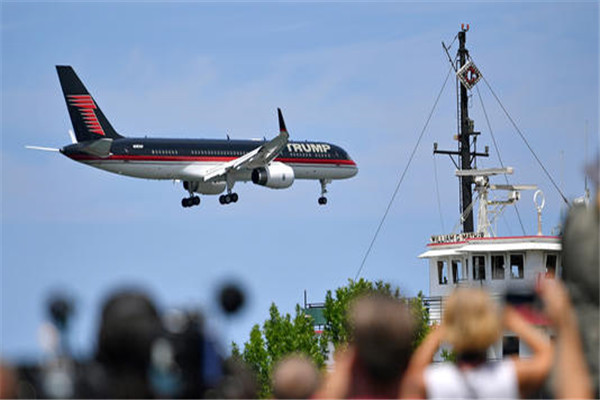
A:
336,306
448,355
282,335
421,315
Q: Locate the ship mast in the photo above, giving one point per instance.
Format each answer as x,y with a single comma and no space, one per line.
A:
467,73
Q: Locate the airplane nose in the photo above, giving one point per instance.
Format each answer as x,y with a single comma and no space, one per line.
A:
354,170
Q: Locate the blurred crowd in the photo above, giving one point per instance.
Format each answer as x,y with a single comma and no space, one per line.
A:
143,354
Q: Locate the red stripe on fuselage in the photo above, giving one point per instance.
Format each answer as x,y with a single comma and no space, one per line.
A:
85,157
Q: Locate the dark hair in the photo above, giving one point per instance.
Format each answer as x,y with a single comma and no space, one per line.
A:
129,325
383,330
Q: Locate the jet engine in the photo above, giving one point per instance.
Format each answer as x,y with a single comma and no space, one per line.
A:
275,176
204,187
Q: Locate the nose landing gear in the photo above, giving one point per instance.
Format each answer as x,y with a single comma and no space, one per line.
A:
324,183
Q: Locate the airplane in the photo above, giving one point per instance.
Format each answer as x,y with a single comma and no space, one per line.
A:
205,166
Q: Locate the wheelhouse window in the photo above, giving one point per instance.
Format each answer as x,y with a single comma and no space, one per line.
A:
478,268
516,266
457,271
510,346
442,267
497,267
551,261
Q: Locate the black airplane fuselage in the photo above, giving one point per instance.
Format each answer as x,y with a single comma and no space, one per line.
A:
206,166
154,158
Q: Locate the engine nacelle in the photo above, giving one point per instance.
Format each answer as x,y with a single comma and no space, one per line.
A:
275,176
204,187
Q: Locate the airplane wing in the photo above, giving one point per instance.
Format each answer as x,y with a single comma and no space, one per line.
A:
260,156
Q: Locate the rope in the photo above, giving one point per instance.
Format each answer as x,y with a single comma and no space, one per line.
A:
526,142
387,210
498,154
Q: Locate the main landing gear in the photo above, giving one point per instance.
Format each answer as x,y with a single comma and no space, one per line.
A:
323,199
229,197
192,200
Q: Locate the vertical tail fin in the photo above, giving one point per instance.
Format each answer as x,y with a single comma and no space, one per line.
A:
89,123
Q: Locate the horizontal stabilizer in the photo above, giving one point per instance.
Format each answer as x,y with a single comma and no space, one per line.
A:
42,148
98,148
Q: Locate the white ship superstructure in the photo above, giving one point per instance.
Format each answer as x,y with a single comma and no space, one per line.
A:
477,256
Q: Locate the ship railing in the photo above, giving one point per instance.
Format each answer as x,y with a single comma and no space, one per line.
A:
435,307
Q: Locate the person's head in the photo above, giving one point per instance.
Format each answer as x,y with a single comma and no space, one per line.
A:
295,377
129,325
471,321
382,331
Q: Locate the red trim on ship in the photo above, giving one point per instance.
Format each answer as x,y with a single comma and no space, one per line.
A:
493,238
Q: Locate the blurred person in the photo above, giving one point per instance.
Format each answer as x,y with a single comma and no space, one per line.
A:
129,325
571,376
295,377
581,271
373,364
238,382
471,324
8,382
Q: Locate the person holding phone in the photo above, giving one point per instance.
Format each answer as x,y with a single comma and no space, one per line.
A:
471,324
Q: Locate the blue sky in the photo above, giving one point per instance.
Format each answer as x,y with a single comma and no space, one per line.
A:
360,75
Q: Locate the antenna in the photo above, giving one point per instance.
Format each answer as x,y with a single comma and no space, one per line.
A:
468,75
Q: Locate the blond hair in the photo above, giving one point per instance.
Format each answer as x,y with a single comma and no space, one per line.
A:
471,320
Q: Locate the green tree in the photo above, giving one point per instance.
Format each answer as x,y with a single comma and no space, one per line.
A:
282,335
336,306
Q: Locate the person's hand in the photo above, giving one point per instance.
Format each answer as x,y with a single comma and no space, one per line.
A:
557,303
511,318
337,383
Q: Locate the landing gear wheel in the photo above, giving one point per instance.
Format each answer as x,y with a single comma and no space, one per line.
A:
190,201
228,198
322,200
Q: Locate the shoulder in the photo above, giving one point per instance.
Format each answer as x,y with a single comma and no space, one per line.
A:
440,374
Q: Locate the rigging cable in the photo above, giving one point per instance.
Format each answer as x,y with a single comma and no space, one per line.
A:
387,210
498,153
526,142
437,193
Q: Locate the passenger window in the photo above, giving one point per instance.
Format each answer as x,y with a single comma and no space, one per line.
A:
516,266
442,272
478,268
498,267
